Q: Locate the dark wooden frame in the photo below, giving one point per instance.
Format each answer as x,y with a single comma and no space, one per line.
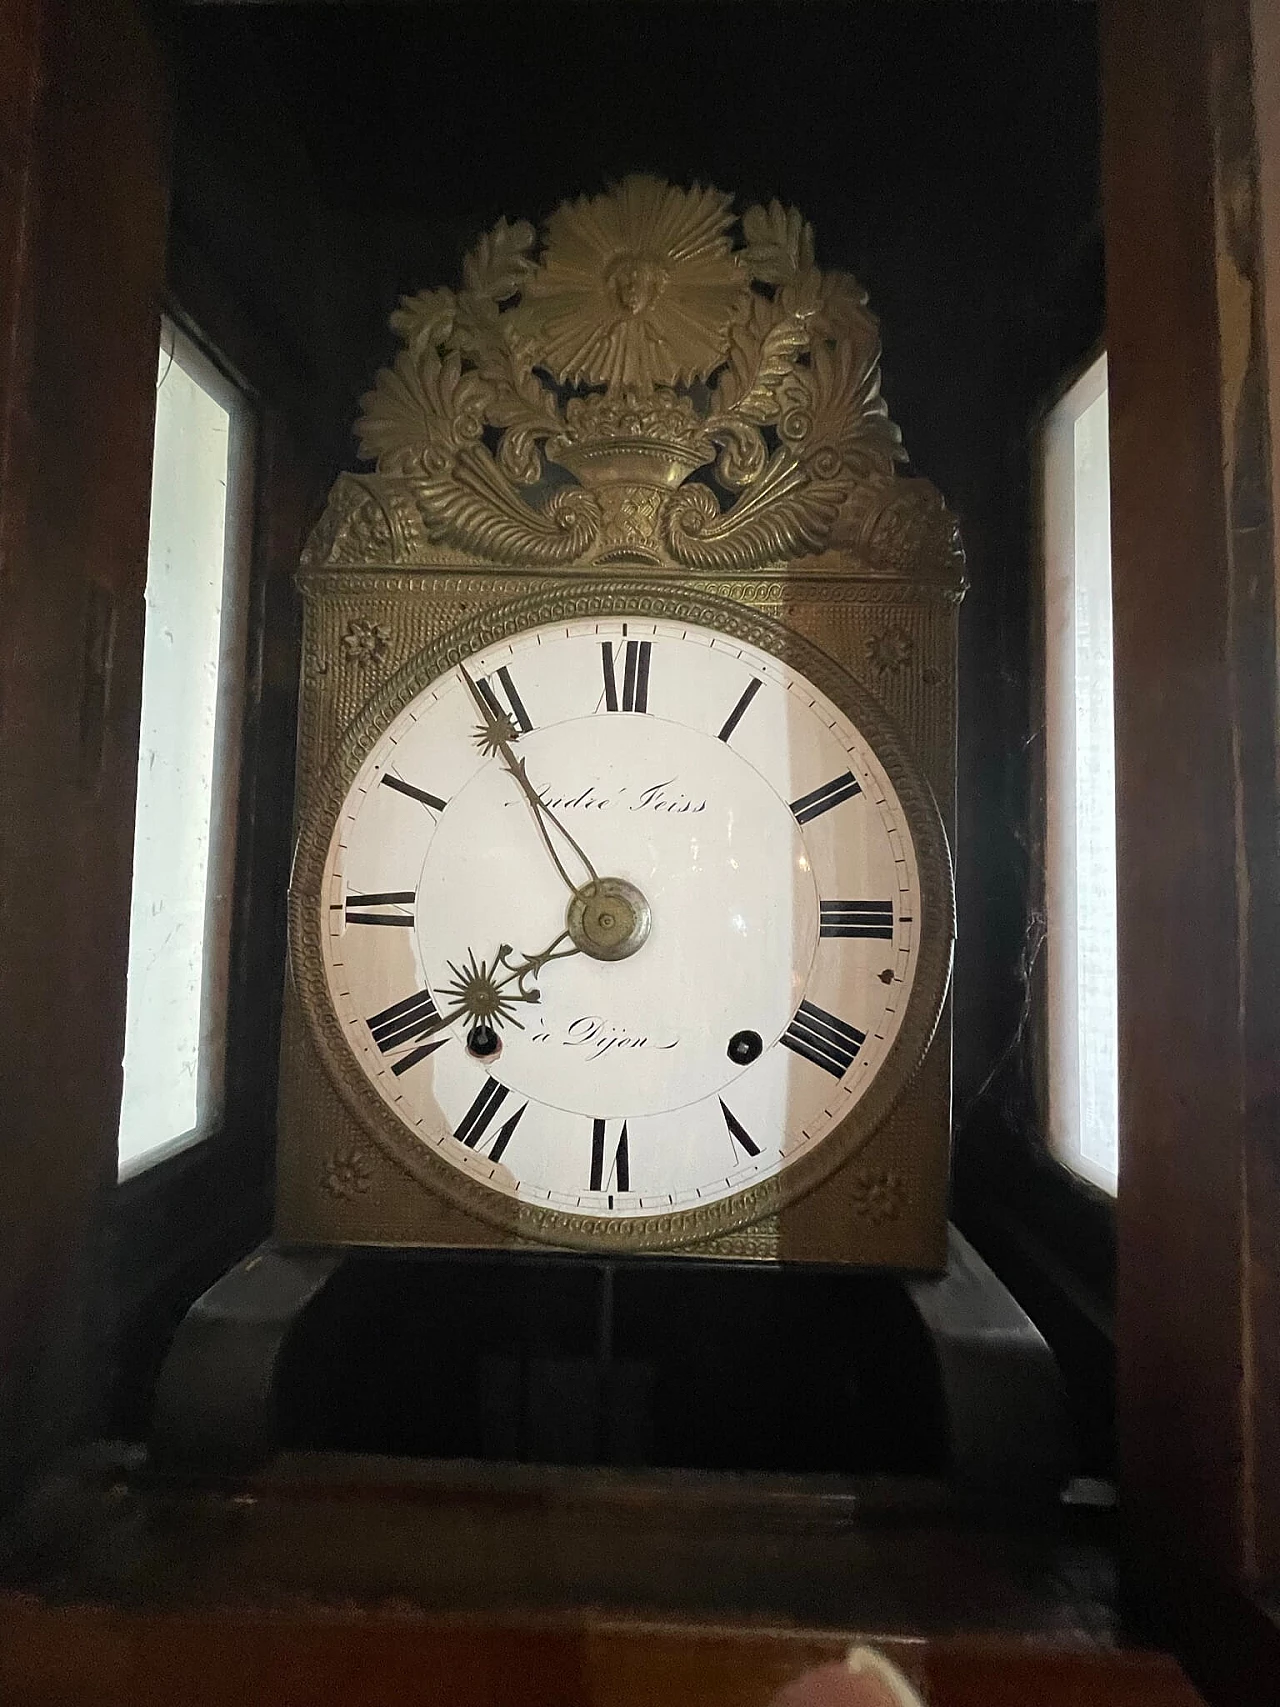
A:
175,1227
1049,1233
1193,396
85,120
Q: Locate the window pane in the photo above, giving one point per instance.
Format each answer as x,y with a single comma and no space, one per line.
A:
192,680
1081,842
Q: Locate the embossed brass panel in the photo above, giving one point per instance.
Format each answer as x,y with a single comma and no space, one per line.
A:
659,412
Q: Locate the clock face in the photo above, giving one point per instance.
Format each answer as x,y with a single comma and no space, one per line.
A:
621,918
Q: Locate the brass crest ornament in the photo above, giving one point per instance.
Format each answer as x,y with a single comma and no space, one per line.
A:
657,383
654,410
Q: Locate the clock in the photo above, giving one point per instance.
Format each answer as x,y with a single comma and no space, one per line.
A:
621,917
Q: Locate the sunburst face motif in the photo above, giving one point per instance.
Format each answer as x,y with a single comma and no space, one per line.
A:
636,288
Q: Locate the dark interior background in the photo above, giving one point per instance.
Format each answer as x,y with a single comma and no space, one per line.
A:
327,159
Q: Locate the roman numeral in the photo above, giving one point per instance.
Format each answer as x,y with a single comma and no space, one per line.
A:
857,918
404,1021
737,1131
419,1054
823,1039
635,676
390,898
619,1173
499,693
822,799
735,716
420,794
480,1116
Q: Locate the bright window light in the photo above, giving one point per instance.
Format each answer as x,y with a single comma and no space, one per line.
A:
1080,766
188,759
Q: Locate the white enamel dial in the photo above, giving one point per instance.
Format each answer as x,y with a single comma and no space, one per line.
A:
783,900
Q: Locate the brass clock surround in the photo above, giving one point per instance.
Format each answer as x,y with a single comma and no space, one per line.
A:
680,1227
656,407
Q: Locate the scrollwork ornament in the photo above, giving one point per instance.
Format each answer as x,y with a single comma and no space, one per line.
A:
356,529
902,527
649,340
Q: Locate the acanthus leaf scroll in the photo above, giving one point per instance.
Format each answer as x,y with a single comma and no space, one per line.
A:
657,382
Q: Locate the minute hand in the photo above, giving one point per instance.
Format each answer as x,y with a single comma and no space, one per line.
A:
542,813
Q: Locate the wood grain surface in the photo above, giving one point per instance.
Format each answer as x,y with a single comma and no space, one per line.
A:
53,1657
82,259
1196,728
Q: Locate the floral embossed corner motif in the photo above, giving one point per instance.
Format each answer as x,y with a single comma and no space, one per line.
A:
880,1197
347,1173
890,651
365,642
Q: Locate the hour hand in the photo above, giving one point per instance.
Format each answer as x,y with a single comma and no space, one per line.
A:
487,995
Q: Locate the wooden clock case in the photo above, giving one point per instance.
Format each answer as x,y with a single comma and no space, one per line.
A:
953,158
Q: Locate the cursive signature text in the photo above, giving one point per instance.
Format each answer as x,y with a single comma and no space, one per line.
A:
665,796
598,1036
